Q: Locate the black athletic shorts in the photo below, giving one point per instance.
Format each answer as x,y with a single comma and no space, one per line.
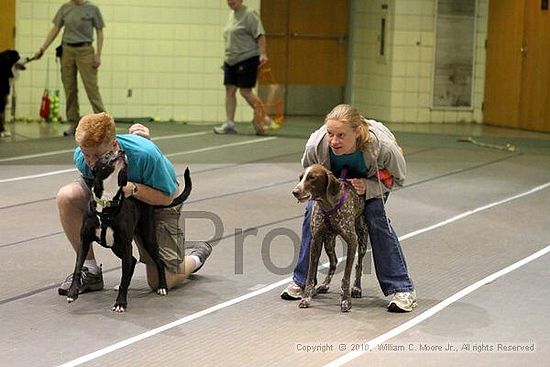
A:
242,74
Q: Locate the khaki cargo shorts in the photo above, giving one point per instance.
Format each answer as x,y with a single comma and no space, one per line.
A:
170,238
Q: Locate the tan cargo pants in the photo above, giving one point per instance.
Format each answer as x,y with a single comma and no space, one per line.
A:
79,60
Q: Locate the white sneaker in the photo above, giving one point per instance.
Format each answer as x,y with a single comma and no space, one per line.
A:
402,302
225,129
292,292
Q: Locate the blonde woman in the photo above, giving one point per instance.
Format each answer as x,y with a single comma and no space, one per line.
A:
375,165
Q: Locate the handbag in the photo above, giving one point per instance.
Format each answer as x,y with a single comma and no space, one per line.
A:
59,51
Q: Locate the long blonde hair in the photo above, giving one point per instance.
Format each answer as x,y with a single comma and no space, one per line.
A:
350,116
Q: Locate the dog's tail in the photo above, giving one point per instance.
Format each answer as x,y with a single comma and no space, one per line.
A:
184,195
188,186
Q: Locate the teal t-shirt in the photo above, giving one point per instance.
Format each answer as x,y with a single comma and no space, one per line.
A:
354,162
146,164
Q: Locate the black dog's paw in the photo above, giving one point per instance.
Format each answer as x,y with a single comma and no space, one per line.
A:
162,291
119,307
72,296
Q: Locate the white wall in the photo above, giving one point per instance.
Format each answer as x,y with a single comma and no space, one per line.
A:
169,52
400,89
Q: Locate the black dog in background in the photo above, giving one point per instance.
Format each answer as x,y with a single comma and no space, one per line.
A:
8,60
112,219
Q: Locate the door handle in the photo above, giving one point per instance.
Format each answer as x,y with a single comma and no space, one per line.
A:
276,34
524,51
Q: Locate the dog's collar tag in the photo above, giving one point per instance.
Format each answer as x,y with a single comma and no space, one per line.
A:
104,203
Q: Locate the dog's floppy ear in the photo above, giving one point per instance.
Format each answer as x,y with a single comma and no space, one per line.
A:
333,185
123,174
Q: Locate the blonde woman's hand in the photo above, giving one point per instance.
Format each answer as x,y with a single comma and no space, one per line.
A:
359,184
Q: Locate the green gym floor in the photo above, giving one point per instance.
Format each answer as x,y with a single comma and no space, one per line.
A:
472,219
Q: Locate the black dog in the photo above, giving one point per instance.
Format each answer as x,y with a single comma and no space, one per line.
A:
8,59
111,221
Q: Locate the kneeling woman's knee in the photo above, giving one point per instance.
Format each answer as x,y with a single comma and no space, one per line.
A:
72,194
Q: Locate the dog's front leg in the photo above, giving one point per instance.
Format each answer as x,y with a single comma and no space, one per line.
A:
330,244
73,291
314,254
128,266
351,240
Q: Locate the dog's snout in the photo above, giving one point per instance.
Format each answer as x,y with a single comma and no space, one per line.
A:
296,192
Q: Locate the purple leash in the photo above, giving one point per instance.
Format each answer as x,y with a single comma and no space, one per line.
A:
328,213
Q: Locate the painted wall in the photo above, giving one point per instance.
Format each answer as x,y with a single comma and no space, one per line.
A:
399,87
168,52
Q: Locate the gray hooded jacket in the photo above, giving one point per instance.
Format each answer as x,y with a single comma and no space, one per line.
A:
382,152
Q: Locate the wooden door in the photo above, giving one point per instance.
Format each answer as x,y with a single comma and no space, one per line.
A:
534,112
503,65
517,77
7,24
307,46
275,20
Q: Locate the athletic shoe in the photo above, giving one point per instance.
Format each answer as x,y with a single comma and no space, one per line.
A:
225,129
292,292
200,249
69,132
88,282
402,302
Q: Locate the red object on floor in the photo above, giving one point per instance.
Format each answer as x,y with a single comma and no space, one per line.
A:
45,105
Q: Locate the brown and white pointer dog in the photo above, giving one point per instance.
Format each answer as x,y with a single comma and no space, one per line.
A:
111,221
337,210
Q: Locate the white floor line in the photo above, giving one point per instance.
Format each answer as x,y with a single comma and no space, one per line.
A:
38,155
373,343
186,135
56,152
229,145
38,175
184,320
260,140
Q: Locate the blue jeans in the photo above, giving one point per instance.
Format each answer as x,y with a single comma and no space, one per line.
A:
389,261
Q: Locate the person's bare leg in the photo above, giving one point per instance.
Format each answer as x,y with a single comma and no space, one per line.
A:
252,99
230,102
71,203
258,108
172,279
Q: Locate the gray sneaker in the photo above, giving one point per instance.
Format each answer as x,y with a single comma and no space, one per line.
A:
402,302
88,282
200,249
225,129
